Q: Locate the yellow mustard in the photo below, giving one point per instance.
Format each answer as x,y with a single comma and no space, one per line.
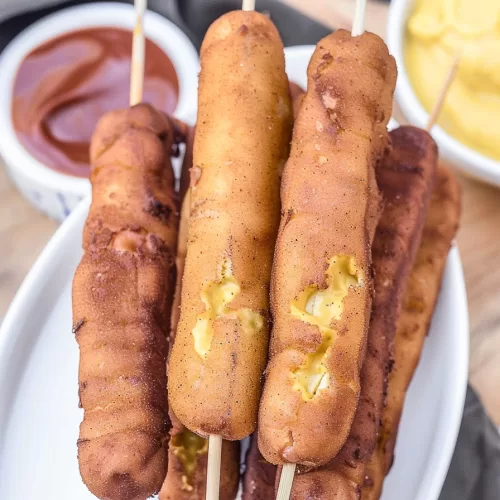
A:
437,31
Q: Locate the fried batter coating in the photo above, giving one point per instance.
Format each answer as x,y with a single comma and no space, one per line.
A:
413,325
242,140
405,178
321,285
122,293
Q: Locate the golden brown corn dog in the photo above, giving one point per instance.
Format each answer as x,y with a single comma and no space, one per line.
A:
423,288
405,177
260,475
187,452
122,293
242,140
321,286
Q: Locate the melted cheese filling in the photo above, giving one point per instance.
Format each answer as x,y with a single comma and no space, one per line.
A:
186,447
216,296
320,307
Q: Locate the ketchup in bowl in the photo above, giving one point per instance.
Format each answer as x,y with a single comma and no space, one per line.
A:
64,86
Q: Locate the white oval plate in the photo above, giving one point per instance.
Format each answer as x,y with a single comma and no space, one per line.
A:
39,414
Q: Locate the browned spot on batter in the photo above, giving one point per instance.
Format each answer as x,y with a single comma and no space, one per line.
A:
288,217
158,209
243,29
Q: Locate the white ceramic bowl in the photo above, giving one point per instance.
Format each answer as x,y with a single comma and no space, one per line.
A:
466,159
52,192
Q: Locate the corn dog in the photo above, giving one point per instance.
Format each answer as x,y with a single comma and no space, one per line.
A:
242,141
321,285
122,292
405,178
260,475
413,325
187,452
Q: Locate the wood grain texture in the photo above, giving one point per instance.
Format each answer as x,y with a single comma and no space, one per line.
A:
24,233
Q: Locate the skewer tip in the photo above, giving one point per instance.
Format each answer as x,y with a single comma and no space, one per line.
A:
138,54
358,23
434,114
248,5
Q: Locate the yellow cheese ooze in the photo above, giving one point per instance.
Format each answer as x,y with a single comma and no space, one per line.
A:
186,447
320,307
216,296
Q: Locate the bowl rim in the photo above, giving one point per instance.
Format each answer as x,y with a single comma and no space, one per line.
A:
460,155
170,38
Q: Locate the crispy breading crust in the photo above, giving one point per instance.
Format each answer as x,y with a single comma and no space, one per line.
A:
330,205
242,140
423,289
122,293
406,178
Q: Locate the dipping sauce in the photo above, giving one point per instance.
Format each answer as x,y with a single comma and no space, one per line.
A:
64,86
437,31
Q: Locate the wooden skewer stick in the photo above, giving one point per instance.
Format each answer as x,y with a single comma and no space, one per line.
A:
138,55
444,92
358,24
286,481
213,466
248,5
288,470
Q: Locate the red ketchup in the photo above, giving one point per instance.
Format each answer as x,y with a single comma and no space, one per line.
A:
64,86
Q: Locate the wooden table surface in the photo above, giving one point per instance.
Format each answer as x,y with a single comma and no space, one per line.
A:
24,232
